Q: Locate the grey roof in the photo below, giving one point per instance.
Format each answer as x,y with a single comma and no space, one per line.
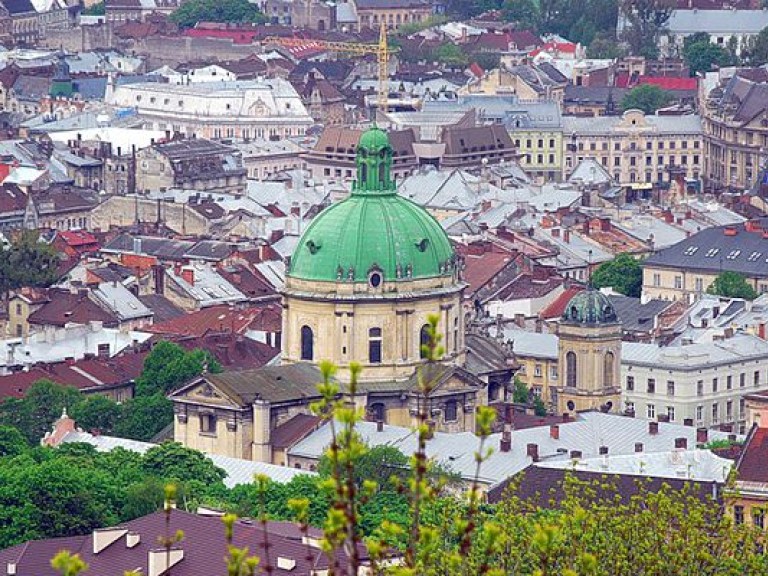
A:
593,94
521,115
636,316
457,451
238,471
738,348
116,297
162,308
165,248
686,124
713,250
485,355
715,22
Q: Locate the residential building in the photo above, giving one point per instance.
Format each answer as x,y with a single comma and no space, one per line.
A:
263,158
25,28
122,11
685,270
195,164
747,497
243,109
639,150
704,383
735,122
528,82
728,28
392,13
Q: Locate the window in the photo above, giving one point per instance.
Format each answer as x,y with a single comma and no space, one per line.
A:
18,309
679,282
374,345
758,517
617,161
729,382
700,388
714,384
451,411
570,369
715,413
671,413
537,371
738,514
630,383
377,412
651,385
757,378
629,406
699,284
729,411
742,380
650,411
307,343
657,279
608,368
553,372
208,423
699,413
423,340
742,408
670,387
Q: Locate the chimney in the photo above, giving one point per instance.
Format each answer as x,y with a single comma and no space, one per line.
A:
286,564
188,275
638,446
566,417
575,454
566,236
681,443
701,435
554,432
688,422
159,277
555,232
379,425
603,450
653,428
11,569
506,439
761,330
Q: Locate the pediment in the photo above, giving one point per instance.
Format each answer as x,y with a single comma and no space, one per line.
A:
456,383
203,392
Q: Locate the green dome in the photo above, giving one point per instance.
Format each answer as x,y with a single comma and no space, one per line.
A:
373,230
590,307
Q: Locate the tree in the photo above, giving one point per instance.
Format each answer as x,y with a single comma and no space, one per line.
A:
645,21
194,11
523,12
144,417
97,9
539,408
96,412
168,366
520,394
624,274
604,46
173,461
380,464
757,53
645,97
451,55
732,285
704,56
27,262
12,442
33,415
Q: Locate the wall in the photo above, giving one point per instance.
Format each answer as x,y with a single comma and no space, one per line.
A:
120,211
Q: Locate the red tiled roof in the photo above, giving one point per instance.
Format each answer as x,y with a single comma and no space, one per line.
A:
78,237
216,319
65,308
556,308
562,47
753,463
476,70
294,430
670,82
479,269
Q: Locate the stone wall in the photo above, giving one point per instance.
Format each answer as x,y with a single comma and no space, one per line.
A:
120,211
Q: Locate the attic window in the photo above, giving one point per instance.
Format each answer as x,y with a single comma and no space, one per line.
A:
313,247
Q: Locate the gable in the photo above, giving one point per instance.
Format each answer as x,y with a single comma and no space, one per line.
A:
203,392
456,382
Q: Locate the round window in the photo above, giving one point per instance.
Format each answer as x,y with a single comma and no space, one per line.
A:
375,279
571,405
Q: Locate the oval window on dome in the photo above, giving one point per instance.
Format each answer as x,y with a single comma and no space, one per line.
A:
423,244
375,279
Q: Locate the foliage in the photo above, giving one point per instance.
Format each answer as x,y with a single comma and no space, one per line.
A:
604,46
579,21
168,366
382,464
27,262
487,60
703,56
539,408
523,12
176,462
645,97
451,55
757,52
520,394
410,28
97,9
33,415
144,417
645,21
12,442
96,412
237,11
732,285
624,274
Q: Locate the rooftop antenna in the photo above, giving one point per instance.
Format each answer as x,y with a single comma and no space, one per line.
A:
589,269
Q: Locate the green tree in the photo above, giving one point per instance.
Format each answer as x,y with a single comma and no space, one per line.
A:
168,366
194,11
645,21
96,412
144,417
645,97
525,13
732,285
704,56
520,394
604,46
34,414
380,464
97,9
27,261
451,55
757,52
624,274
12,442
173,461
539,408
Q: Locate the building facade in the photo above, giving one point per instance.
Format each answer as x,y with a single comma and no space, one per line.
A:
638,150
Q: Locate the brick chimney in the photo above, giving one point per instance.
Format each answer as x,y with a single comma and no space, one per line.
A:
681,443
554,432
653,428
188,275
506,439
566,417
532,450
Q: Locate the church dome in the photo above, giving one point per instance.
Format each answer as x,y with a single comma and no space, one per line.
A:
590,307
374,235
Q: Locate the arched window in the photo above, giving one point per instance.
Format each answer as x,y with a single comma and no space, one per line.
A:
451,411
423,340
307,343
608,361
570,369
374,346
377,412
382,171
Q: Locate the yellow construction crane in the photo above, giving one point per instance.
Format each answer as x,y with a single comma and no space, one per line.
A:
381,50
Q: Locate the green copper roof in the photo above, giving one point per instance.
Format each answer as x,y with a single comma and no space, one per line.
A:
373,229
590,307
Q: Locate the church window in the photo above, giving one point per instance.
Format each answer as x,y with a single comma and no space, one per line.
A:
608,363
570,369
423,340
451,411
374,345
307,343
